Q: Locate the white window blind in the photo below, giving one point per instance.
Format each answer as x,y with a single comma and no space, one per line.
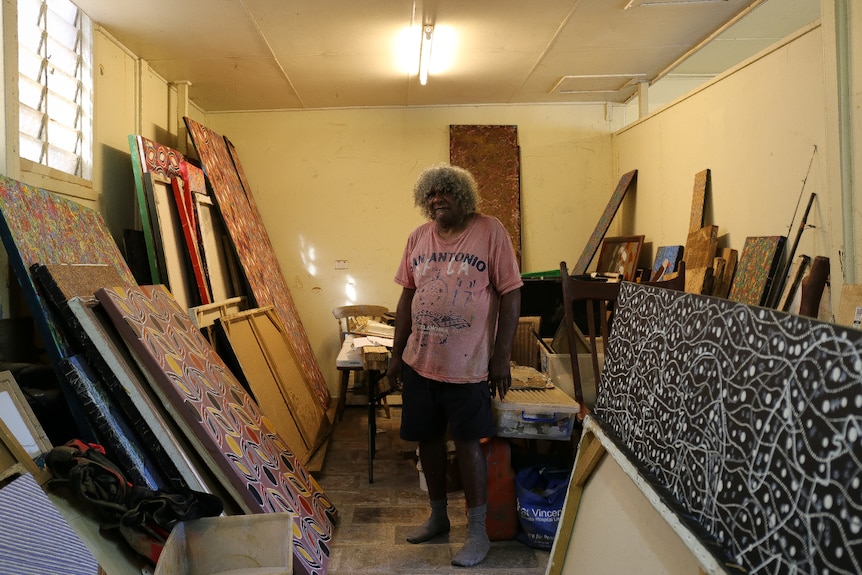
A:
55,84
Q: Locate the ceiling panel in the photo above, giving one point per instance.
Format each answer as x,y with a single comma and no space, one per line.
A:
252,54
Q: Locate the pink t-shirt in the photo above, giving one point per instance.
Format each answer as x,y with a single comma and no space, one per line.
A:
458,286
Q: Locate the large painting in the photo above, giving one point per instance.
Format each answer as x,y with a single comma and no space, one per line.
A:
220,418
757,266
492,155
749,420
38,227
253,247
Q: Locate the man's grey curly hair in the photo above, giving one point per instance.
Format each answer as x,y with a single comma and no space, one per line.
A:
449,179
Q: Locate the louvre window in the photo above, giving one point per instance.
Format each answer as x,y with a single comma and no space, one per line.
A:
55,56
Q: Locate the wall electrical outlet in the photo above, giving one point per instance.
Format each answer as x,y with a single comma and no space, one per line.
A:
341,264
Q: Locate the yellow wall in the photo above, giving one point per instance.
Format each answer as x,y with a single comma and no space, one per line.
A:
337,185
756,129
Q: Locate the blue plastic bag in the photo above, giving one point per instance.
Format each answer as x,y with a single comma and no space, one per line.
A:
541,492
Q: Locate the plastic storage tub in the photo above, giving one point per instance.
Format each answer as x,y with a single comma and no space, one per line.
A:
535,414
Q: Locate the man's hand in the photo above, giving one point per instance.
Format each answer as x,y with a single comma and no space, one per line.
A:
499,378
393,373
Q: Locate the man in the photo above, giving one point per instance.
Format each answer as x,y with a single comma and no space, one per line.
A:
454,329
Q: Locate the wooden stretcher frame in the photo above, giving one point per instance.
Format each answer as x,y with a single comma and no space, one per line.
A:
566,558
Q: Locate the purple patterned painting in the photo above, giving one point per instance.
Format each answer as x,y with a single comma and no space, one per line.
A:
253,247
38,227
589,252
221,419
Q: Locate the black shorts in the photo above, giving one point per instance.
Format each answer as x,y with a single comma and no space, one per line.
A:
428,406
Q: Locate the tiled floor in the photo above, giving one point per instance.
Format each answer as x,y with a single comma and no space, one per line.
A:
373,518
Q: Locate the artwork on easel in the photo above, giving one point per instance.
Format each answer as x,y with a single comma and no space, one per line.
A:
619,256
492,155
626,181
254,250
773,393
220,419
667,258
757,266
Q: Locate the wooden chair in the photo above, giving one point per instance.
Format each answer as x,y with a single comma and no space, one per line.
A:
349,318
598,297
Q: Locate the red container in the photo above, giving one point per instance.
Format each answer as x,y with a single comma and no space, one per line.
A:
502,519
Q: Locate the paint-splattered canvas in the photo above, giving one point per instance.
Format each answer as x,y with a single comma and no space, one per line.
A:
253,247
748,419
757,266
221,419
38,227
626,181
493,156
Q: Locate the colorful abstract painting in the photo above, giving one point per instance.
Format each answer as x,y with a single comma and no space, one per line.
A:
493,156
38,227
253,247
221,419
757,266
748,419
667,258
626,181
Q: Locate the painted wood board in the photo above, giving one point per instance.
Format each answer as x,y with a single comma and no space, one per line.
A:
35,538
260,343
757,266
722,283
627,180
220,419
700,248
254,249
492,154
608,495
40,227
706,394
108,354
698,200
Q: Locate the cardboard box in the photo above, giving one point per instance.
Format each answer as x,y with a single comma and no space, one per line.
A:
535,414
558,368
261,544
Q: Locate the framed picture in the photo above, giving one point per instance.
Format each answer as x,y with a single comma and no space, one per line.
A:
20,419
619,255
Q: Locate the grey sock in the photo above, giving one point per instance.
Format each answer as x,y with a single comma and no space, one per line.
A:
477,545
436,524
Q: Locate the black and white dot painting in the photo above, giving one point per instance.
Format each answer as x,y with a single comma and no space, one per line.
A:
749,418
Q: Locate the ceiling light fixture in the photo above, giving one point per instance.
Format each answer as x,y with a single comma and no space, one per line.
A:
425,53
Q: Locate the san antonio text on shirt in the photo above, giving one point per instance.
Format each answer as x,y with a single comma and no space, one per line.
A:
449,258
